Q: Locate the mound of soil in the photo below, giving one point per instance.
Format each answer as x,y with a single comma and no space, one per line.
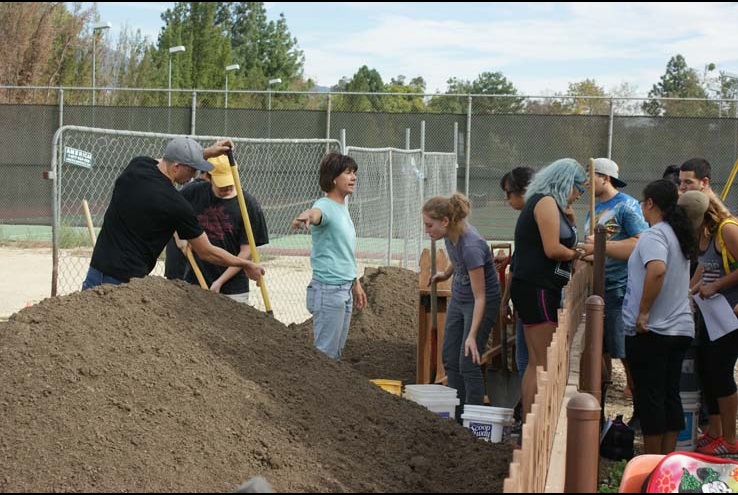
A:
382,339
161,386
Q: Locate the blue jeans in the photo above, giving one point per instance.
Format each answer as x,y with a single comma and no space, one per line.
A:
462,373
331,307
95,277
614,343
521,348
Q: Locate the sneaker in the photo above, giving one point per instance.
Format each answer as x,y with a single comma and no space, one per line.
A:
719,447
703,441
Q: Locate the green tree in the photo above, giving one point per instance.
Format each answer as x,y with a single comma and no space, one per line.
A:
581,105
208,50
679,81
365,80
404,104
487,83
264,49
575,101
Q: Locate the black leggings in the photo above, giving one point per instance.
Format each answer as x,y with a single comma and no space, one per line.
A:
655,363
716,361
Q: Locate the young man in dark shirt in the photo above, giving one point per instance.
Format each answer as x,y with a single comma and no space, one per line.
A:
216,205
146,210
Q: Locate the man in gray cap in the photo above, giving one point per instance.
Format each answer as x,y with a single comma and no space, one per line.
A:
146,210
622,217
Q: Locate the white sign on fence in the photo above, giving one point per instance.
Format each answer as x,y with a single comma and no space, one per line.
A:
77,157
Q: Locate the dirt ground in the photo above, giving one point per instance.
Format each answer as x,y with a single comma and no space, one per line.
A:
161,386
25,277
108,413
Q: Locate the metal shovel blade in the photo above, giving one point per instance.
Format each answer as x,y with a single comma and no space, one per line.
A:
503,385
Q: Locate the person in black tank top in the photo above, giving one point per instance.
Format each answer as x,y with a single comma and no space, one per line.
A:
545,238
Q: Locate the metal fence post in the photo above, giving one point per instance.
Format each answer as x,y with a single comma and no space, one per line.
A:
328,121
468,145
193,114
610,128
424,178
391,225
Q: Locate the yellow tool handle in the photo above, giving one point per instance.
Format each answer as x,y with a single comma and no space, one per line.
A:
195,268
88,219
249,232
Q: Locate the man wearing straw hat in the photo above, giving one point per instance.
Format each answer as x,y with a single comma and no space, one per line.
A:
622,217
216,206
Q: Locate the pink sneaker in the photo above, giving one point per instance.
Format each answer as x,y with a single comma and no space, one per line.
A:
719,447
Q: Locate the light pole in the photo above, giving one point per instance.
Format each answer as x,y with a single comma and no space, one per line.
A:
227,70
174,49
269,88
100,26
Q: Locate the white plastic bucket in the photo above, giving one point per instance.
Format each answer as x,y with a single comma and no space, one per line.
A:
691,406
688,381
445,408
439,399
430,391
487,423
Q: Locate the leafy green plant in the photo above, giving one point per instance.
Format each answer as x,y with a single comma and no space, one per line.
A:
614,476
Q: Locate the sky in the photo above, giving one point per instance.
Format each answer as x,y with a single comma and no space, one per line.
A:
540,47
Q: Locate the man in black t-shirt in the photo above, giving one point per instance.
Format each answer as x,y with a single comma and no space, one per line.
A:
146,210
216,206
175,261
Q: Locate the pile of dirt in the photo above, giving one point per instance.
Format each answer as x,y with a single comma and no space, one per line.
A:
161,386
382,339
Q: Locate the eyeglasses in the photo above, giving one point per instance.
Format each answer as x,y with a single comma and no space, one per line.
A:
579,187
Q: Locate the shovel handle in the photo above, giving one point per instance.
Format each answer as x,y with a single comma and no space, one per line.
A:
249,231
195,268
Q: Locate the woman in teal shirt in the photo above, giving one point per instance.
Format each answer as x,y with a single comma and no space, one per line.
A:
335,286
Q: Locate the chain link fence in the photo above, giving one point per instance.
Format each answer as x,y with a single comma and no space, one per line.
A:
492,134
282,174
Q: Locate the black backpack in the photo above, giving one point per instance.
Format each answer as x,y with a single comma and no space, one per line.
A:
617,443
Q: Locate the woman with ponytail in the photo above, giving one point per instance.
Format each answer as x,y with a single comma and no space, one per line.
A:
475,294
657,317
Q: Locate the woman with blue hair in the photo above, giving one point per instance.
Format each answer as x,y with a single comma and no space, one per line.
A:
545,237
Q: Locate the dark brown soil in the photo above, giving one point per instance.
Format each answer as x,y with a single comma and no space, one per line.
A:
161,386
382,339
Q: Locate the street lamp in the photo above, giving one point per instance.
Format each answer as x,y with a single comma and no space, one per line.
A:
99,26
228,69
269,87
174,49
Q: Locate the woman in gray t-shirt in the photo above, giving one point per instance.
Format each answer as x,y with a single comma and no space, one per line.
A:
657,317
475,294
